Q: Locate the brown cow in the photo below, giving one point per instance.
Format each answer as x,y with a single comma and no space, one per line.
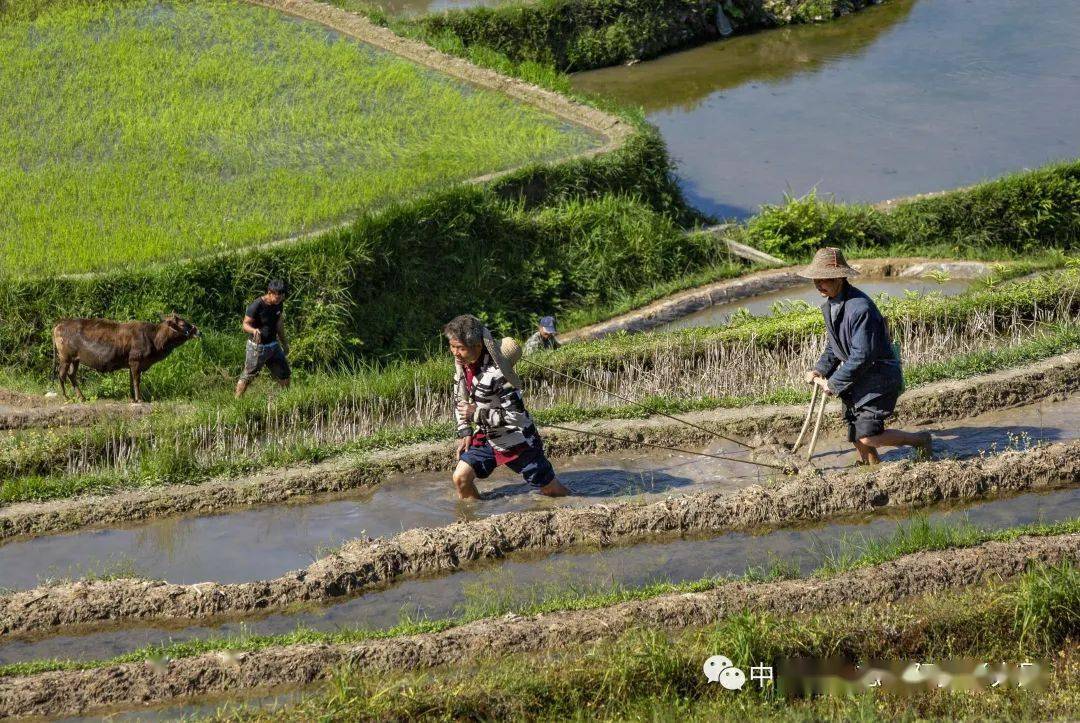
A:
106,346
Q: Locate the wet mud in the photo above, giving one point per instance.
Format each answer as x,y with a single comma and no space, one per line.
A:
365,564
524,579
1054,378
262,543
135,684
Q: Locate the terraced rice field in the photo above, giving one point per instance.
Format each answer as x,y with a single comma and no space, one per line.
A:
668,544
136,132
305,556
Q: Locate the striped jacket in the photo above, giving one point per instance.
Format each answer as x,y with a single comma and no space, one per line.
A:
500,411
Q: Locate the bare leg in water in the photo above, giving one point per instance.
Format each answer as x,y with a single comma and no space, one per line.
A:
465,481
868,446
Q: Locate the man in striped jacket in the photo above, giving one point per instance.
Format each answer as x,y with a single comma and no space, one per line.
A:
493,426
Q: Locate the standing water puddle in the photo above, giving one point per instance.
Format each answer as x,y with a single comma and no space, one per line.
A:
905,98
521,580
762,304
522,577
266,542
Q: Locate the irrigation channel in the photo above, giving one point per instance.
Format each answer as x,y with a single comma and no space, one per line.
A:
895,100
759,292
261,543
763,304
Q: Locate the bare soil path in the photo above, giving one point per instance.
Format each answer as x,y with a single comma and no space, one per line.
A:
25,411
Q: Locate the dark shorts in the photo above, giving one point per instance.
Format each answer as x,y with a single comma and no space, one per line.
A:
868,419
532,464
271,356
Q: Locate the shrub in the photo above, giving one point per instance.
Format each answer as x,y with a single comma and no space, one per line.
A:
582,34
800,226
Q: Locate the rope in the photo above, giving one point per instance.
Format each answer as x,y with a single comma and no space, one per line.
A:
783,468
647,408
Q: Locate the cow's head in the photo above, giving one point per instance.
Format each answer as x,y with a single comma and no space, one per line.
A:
181,326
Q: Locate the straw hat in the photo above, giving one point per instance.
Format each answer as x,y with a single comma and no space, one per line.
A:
828,263
505,354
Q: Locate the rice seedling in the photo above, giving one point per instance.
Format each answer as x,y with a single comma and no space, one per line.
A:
368,411
144,131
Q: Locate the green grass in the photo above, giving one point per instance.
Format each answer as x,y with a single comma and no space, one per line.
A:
491,601
650,674
1018,214
164,453
166,447
574,35
140,131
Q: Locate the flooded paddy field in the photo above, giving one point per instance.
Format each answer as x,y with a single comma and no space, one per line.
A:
763,304
358,543
520,581
933,572
901,99
687,559
263,543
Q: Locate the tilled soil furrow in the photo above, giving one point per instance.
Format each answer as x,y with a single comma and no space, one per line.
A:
134,684
362,564
940,401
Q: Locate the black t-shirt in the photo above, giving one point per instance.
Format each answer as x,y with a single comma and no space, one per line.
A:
266,319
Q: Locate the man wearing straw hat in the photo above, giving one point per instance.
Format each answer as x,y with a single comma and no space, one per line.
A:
493,426
859,364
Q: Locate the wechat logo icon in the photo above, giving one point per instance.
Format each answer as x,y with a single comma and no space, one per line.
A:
720,669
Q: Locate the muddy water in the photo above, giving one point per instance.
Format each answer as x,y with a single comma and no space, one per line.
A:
904,98
266,542
523,578
762,304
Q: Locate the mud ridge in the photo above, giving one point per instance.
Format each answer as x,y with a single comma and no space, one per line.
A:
687,302
365,563
1056,377
136,684
26,411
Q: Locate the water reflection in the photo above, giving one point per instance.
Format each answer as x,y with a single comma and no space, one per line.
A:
684,80
266,542
904,98
762,304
